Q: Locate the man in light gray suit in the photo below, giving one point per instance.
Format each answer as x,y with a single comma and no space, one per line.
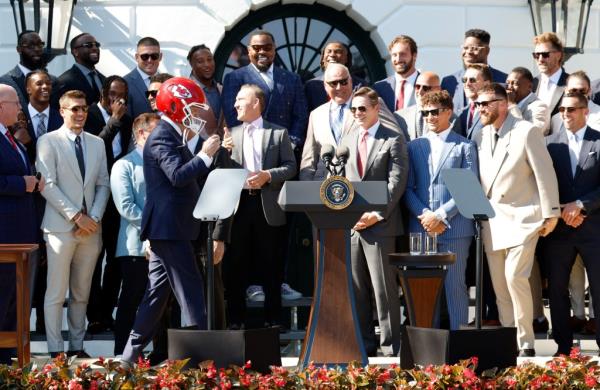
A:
258,232
376,154
77,189
147,57
410,118
518,178
432,208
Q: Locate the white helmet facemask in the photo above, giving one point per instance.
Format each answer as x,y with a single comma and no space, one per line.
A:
192,122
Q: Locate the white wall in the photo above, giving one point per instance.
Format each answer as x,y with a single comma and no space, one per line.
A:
436,25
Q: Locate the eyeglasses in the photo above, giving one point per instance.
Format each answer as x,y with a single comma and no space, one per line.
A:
473,48
39,45
569,110
77,109
486,103
434,112
151,93
89,45
359,109
425,88
262,47
544,54
471,80
147,56
334,83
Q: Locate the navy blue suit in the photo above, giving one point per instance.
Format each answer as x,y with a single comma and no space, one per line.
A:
386,89
560,248
55,121
73,78
474,130
451,82
172,190
18,225
285,104
136,103
16,79
316,94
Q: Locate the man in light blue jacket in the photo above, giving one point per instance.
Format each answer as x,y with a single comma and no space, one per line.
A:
129,193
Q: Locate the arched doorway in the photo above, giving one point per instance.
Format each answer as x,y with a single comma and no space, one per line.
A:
300,32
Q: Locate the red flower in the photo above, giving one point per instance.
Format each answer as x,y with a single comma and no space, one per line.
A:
590,381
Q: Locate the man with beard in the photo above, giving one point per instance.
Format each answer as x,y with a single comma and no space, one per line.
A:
512,153
284,96
398,90
83,75
548,55
334,52
147,57
31,57
475,50
203,73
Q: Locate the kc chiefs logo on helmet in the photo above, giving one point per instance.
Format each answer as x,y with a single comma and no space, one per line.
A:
179,91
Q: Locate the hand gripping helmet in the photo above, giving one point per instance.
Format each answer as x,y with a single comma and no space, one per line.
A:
176,99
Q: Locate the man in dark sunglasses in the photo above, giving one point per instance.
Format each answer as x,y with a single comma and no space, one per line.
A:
518,178
548,55
579,82
147,57
83,75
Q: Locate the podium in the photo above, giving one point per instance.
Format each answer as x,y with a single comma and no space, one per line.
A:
19,255
333,334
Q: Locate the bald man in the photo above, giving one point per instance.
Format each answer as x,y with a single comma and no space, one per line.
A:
410,118
17,207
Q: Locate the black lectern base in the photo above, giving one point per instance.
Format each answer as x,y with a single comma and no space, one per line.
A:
226,347
494,347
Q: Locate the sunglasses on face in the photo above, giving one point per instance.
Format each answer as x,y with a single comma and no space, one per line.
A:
486,103
581,91
569,110
151,93
359,109
89,45
544,54
434,112
262,47
38,45
425,88
473,48
471,80
147,56
334,83
77,109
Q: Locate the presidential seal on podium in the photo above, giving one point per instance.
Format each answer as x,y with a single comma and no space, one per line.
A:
337,192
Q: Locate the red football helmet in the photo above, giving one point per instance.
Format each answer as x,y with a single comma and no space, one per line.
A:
176,98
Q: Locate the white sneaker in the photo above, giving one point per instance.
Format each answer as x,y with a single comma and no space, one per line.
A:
255,293
289,293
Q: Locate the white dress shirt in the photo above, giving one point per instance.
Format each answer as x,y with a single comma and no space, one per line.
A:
436,142
267,76
575,141
145,76
548,86
409,86
24,69
35,119
71,135
116,143
370,138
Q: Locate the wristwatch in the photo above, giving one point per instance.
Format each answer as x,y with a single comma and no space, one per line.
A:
579,204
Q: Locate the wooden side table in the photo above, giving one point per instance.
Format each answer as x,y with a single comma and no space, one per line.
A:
19,255
422,280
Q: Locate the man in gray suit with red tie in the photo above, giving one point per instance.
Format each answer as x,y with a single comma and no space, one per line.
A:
376,154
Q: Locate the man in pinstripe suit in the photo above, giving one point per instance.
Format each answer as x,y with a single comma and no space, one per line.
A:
432,209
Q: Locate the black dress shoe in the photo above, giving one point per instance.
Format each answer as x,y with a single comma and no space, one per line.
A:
156,358
96,327
80,354
541,326
527,352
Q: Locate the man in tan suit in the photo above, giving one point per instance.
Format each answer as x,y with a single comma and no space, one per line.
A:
517,177
77,189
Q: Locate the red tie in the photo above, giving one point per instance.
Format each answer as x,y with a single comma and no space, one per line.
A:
400,99
362,152
11,140
471,113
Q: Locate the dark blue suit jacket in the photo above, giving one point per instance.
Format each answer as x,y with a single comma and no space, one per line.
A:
450,82
136,103
16,79
286,104
18,218
172,189
386,89
315,91
475,128
55,121
585,185
74,79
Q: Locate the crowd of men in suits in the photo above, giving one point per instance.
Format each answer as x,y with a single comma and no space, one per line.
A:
120,162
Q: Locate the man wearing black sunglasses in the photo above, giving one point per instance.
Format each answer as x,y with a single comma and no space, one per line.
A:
147,57
83,75
548,55
579,82
517,176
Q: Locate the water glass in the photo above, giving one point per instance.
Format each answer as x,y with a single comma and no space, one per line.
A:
431,244
415,245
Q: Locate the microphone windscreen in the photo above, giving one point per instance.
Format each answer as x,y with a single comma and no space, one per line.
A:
342,153
327,151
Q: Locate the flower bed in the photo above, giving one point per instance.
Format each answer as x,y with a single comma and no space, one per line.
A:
566,372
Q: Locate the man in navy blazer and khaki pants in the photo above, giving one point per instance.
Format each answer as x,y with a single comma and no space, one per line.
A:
171,172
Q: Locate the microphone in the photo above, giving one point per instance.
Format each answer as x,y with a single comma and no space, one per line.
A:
327,152
342,155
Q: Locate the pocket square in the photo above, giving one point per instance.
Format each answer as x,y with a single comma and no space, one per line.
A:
591,153
382,152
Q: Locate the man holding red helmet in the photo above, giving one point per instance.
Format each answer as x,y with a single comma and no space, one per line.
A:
172,171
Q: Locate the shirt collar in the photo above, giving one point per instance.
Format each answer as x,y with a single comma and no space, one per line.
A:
579,134
373,129
522,104
410,79
104,113
71,135
213,83
24,69
33,112
335,106
442,136
3,129
269,71
170,121
84,69
256,124
143,74
555,76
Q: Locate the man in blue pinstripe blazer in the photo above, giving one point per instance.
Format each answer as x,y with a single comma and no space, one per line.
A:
432,209
286,103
